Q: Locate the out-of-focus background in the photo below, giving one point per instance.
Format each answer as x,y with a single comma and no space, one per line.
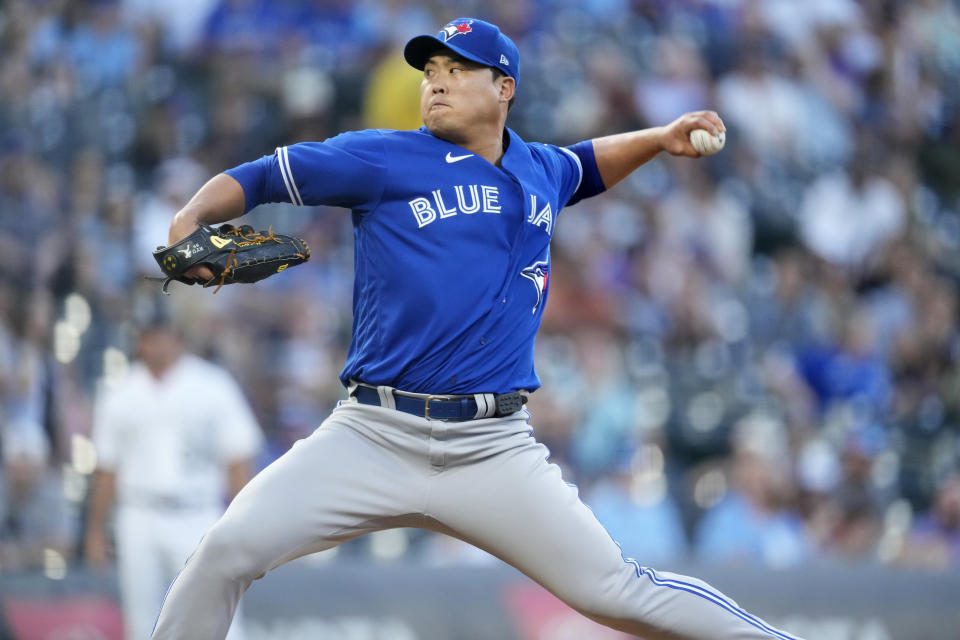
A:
750,361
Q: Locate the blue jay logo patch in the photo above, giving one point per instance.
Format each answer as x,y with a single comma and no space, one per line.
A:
538,273
455,29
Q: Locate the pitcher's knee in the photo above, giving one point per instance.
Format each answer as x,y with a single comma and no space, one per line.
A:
230,550
602,610
595,602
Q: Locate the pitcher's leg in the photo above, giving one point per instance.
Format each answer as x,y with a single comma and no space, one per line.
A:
314,497
517,507
181,536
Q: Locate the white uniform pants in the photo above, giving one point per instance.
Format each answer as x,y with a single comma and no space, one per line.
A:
153,543
487,482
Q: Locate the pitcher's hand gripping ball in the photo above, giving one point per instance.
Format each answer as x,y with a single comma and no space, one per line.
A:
233,254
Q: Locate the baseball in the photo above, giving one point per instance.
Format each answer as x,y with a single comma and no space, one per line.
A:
705,143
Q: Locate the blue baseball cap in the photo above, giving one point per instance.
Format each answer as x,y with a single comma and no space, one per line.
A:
473,39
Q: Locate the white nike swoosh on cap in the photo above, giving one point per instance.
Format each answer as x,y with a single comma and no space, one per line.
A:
451,159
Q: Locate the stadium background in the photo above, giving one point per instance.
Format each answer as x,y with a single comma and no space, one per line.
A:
749,361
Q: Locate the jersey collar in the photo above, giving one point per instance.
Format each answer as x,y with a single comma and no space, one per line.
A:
513,155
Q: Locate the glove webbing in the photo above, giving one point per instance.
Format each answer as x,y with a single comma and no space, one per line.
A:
254,237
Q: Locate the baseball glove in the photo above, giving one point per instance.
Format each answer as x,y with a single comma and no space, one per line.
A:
233,254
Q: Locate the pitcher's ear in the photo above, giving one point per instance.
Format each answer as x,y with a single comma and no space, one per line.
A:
508,87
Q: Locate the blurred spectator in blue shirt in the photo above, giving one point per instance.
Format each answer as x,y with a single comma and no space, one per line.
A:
850,369
246,27
635,506
105,51
753,524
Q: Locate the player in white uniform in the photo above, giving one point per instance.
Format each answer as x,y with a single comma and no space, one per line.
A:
174,440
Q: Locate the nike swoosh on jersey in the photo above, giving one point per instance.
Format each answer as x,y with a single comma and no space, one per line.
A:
451,159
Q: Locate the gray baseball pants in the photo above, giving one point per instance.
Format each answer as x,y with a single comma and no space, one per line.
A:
485,481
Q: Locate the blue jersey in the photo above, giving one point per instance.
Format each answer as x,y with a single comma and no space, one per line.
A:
452,253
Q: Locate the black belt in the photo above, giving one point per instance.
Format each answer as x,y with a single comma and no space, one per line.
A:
442,407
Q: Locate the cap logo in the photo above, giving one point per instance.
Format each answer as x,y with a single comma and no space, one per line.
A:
455,29
503,60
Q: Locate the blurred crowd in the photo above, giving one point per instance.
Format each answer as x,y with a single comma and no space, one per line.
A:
751,358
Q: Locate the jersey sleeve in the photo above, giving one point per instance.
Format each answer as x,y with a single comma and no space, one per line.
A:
348,170
563,166
576,170
591,183
107,417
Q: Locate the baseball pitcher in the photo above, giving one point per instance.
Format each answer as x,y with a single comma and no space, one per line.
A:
452,227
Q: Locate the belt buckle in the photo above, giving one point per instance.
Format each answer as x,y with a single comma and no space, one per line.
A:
426,405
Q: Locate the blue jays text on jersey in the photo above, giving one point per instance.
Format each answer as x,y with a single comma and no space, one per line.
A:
451,253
